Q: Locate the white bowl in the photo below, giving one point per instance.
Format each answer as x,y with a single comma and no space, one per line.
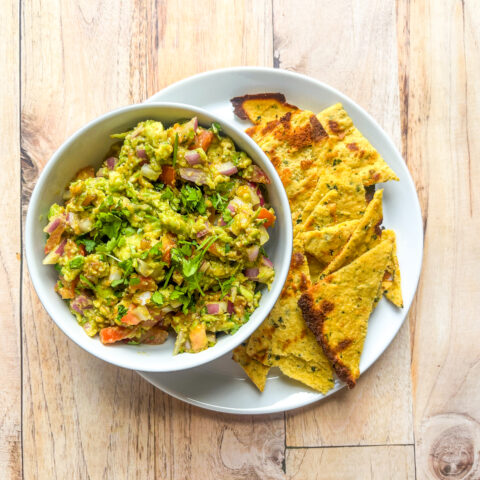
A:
88,146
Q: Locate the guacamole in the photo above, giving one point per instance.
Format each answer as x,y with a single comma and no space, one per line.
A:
167,236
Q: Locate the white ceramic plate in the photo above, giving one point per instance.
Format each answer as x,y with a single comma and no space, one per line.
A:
221,385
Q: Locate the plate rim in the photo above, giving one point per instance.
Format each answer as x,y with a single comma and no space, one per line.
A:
417,219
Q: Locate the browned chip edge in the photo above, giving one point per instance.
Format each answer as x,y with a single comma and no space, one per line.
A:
314,319
237,102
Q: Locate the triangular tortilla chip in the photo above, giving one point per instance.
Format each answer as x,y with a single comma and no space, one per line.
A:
261,108
256,371
259,345
338,307
284,340
294,144
364,237
351,148
325,244
391,284
316,376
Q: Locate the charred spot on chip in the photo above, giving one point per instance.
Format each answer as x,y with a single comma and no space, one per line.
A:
378,228
369,193
326,306
303,282
387,276
297,259
269,127
318,132
343,345
352,147
237,102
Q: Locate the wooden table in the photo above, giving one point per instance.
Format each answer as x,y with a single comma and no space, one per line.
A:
415,66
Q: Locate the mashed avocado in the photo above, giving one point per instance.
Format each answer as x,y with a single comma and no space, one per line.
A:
167,235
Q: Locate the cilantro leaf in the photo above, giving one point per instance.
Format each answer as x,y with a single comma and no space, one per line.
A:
77,262
88,243
157,298
121,312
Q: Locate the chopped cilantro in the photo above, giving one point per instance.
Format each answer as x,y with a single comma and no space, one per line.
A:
157,298
134,281
77,262
88,243
87,282
192,199
121,311
175,150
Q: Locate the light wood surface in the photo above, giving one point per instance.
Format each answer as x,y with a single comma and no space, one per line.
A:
415,66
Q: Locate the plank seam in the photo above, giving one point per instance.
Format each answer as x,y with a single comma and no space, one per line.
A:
20,309
292,447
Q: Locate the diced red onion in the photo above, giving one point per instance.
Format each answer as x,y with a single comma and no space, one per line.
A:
259,176
111,162
195,124
141,153
213,308
193,158
193,175
267,262
231,207
230,307
81,303
251,273
202,233
61,248
149,172
222,222
253,252
227,168
204,266
85,225
115,274
144,297
53,225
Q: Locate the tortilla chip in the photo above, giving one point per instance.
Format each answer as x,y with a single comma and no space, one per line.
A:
284,334
315,268
338,307
259,345
294,144
261,108
325,244
316,376
351,148
391,284
364,237
256,371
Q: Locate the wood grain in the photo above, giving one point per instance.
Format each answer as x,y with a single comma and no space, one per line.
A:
362,62
10,357
442,111
83,418
351,463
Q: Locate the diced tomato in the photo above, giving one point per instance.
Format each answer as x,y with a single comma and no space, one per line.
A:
81,247
113,334
146,284
269,216
168,175
168,242
130,318
67,289
202,140
84,173
54,238
213,249
198,337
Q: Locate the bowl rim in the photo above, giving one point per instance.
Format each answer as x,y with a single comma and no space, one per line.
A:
218,350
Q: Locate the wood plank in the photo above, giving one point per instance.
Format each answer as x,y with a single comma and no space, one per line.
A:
84,418
356,53
10,266
443,110
351,463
